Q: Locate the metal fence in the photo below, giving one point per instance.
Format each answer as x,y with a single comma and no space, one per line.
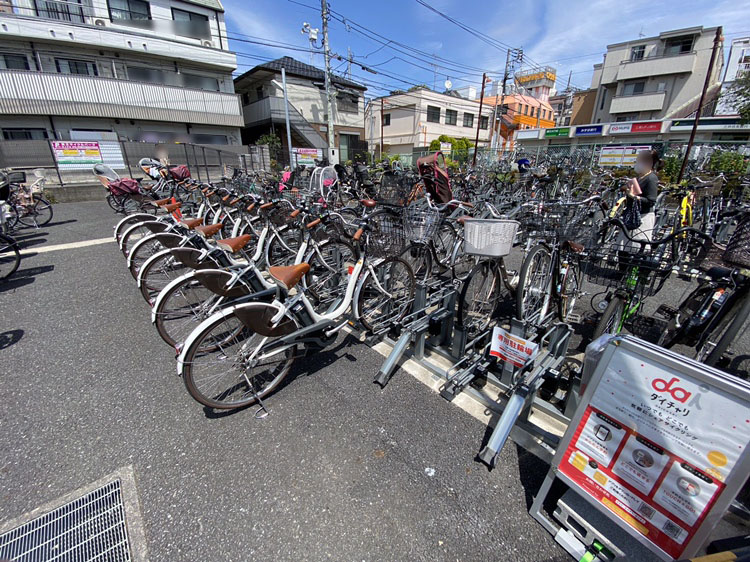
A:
206,162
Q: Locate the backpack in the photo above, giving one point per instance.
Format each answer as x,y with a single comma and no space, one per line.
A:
631,217
124,186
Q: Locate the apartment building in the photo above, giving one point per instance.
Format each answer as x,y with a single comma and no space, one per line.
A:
573,107
408,122
262,95
655,78
144,70
738,63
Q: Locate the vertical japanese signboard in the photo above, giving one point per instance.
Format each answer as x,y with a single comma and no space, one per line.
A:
76,154
656,447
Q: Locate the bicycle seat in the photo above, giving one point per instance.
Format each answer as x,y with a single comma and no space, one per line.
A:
369,203
289,275
208,230
160,202
191,223
575,246
234,245
171,207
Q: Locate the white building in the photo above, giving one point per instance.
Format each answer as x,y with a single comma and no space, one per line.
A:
655,77
156,70
739,62
412,120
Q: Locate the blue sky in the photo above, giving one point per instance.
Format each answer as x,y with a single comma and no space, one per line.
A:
570,35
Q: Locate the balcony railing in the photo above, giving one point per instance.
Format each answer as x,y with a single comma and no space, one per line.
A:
657,65
60,10
647,101
41,93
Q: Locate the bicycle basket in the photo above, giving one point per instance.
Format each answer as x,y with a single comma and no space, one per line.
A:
393,189
489,237
420,225
294,195
619,264
738,247
386,237
281,215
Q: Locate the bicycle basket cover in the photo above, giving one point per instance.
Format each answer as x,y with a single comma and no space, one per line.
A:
124,186
180,172
436,179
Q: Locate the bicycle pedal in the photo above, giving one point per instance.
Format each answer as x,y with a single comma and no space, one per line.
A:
666,311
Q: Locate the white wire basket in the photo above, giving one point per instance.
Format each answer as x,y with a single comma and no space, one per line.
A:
420,224
489,237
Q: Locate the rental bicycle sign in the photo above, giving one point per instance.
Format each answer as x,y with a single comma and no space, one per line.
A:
660,444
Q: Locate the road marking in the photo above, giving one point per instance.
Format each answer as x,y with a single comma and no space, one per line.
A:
68,246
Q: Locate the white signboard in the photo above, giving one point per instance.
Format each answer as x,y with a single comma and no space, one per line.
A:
307,156
620,155
76,154
446,147
655,445
512,349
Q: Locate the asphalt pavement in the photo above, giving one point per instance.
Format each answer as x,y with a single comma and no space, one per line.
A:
339,470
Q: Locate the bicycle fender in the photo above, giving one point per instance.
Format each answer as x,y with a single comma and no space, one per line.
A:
164,291
144,267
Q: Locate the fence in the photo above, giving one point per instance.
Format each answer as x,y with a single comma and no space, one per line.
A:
206,163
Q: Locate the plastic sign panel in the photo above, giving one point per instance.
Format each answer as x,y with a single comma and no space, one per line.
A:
717,124
558,132
446,147
622,128
655,445
512,349
620,155
307,156
589,130
76,154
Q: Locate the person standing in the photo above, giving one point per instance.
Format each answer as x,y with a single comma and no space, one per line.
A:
644,188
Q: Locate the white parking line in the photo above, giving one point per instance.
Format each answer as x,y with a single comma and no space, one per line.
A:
68,246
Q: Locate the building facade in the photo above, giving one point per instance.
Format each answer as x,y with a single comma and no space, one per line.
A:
517,112
655,78
262,96
408,122
738,63
156,71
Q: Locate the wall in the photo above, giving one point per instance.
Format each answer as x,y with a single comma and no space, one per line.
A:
583,107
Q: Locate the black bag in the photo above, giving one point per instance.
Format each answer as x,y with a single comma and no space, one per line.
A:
631,218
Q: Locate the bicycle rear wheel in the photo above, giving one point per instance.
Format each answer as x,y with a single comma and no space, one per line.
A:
38,213
386,293
535,285
715,347
157,272
480,295
237,372
419,258
182,308
10,256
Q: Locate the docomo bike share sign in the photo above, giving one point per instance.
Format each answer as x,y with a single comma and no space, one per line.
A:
659,442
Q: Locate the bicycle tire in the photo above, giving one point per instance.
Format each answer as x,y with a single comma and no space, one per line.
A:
10,256
181,307
283,246
157,272
611,317
147,247
132,236
479,298
196,351
375,310
39,207
730,330
569,288
128,221
419,257
534,289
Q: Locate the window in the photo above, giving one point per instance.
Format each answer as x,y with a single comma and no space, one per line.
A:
531,111
678,45
627,117
633,88
259,92
184,15
58,10
245,99
604,97
468,119
637,53
386,119
129,10
484,122
14,62
145,74
433,114
72,66
198,82
347,103
24,134
451,116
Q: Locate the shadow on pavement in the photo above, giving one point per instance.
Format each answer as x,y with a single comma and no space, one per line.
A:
9,338
24,277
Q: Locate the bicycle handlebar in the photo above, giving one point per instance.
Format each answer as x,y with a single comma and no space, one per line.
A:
668,238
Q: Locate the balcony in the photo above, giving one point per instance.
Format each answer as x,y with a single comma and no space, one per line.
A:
42,93
657,66
272,109
649,101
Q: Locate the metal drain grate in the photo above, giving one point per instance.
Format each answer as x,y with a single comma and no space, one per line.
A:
91,527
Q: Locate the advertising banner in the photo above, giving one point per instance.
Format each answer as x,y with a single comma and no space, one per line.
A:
307,156
589,130
651,449
622,128
76,154
559,132
620,155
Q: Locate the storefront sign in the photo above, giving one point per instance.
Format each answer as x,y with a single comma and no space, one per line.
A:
709,125
589,130
307,156
620,155
512,349
76,154
559,132
621,128
649,446
527,134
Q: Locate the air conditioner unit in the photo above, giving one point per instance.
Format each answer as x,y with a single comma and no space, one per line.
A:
100,23
208,44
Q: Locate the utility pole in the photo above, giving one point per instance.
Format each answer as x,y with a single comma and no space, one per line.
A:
382,104
286,116
372,131
479,121
718,38
348,63
494,113
512,56
329,94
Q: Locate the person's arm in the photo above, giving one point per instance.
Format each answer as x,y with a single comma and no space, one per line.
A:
649,188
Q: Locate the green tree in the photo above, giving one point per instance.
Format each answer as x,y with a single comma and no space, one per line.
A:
459,147
738,96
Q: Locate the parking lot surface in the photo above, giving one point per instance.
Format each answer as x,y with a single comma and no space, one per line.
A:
339,470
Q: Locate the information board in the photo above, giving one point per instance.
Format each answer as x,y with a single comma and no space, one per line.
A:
656,446
307,156
620,155
76,154
512,349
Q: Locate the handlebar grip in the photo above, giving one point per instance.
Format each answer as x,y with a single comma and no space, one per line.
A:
316,222
358,234
250,207
267,205
294,213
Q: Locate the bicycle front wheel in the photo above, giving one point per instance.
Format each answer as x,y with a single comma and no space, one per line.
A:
714,348
612,320
479,298
238,371
38,213
419,258
534,285
10,256
386,294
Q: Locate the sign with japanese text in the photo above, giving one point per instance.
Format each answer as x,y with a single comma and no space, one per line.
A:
512,349
651,449
558,132
716,124
307,156
446,147
622,128
76,154
620,155
589,130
